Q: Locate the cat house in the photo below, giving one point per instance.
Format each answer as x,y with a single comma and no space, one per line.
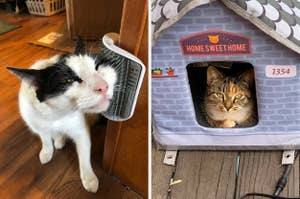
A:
233,36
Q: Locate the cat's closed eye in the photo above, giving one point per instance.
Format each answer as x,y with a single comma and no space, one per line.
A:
71,80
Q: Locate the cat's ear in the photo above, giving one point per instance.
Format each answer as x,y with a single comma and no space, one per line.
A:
80,46
213,75
29,76
247,78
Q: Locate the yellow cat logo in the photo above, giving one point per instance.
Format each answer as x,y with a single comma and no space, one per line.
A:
213,38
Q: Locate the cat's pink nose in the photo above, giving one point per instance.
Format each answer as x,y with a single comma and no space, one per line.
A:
101,87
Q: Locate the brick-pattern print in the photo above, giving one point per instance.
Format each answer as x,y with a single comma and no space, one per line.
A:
278,99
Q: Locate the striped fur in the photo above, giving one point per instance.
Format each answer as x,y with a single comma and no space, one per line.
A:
229,101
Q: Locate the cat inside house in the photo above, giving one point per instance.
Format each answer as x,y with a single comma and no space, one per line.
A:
229,101
54,98
223,94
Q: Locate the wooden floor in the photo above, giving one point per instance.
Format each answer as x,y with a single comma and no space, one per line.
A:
21,174
212,175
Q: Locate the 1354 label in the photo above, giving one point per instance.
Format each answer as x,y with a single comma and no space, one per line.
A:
281,71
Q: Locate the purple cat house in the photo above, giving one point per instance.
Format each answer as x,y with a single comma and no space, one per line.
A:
234,35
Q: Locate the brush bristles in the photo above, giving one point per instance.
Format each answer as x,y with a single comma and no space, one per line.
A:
127,81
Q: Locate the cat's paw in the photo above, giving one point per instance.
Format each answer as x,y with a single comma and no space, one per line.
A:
228,124
90,182
46,155
59,142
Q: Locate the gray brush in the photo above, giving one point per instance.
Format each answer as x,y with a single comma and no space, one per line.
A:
130,72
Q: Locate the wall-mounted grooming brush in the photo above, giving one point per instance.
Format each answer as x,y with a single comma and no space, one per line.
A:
130,72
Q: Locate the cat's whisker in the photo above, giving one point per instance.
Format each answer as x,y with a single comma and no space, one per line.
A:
120,85
120,90
91,49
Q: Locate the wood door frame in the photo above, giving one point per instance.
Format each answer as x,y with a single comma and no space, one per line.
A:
134,20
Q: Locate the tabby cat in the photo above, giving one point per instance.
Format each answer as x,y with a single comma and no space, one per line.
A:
230,101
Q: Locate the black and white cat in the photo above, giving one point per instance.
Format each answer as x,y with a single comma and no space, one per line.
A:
54,96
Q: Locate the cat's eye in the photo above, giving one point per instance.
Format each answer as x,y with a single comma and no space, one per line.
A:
69,80
238,96
219,95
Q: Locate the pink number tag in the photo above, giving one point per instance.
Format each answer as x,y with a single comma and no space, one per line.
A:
281,71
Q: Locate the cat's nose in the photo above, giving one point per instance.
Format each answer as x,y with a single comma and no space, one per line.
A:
228,106
101,87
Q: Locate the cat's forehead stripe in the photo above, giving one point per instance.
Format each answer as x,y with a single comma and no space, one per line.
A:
233,89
